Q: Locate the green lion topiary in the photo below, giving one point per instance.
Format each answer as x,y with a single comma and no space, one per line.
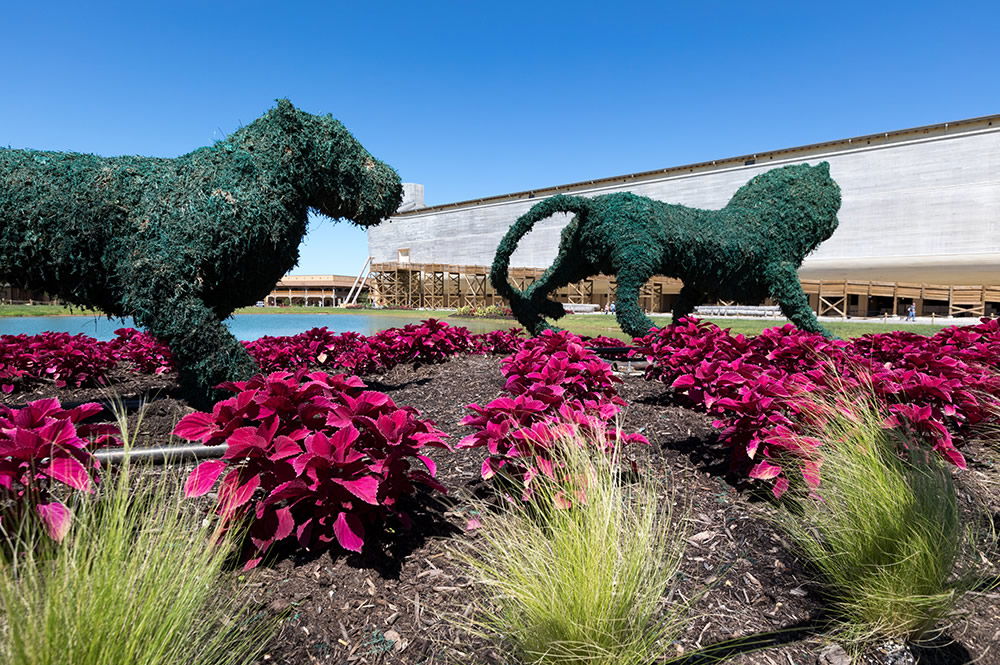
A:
179,244
747,251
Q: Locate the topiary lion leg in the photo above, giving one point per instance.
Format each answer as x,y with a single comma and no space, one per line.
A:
631,318
205,352
531,311
563,272
784,286
530,314
687,300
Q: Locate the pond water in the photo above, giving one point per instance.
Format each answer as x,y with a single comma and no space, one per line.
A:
244,326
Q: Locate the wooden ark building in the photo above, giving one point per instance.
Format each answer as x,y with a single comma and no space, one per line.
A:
315,290
920,223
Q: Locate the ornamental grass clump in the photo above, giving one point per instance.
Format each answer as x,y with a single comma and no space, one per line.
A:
882,528
940,387
579,574
134,581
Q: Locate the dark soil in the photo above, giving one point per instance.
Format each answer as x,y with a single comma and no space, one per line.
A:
404,599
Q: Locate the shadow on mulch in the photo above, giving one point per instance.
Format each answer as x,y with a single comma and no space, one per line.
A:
386,548
702,450
942,651
391,387
715,653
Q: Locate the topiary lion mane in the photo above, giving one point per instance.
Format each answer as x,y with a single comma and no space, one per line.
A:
179,244
747,251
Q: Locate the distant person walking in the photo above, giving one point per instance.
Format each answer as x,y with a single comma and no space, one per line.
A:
911,312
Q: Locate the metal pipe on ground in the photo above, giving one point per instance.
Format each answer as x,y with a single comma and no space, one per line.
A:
619,359
161,454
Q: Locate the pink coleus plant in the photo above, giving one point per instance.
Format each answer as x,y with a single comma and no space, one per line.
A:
312,457
499,341
317,347
430,341
58,358
141,352
42,444
554,383
79,360
936,386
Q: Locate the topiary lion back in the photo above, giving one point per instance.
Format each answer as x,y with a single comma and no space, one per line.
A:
747,251
179,244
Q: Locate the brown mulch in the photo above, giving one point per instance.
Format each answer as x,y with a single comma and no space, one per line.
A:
404,599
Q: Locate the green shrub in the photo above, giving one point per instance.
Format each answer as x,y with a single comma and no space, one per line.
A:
134,582
491,310
579,573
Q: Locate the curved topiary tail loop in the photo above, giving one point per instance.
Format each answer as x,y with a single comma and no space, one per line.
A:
528,311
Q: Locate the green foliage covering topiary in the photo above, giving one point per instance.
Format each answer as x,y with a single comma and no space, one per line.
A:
178,244
747,251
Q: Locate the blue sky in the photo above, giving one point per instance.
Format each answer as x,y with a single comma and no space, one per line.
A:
473,99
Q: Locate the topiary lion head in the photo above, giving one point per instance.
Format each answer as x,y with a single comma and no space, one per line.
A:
800,203
343,180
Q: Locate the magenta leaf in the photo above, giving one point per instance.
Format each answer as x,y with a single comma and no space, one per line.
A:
765,470
203,477
349,531
69,471
195,426
232,494
365,488
286,523
56,518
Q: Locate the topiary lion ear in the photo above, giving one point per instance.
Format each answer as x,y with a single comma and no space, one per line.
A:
824,167
287,115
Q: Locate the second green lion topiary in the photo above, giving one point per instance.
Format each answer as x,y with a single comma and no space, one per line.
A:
747,251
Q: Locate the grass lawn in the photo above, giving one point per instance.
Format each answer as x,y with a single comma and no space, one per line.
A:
62,310
592,325
606,325
298,309
46,310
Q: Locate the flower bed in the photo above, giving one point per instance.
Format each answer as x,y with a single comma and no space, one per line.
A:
939,386
336,599
81,361
63,359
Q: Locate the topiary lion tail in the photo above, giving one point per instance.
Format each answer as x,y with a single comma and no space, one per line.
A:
539,211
